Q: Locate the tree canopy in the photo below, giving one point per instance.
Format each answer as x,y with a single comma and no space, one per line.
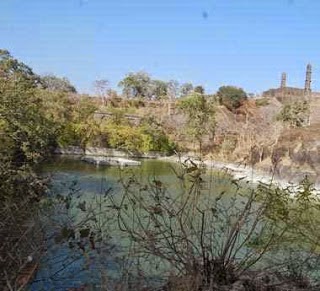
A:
295,114
200,116
25,132
232,97
186,89
136,85
199,89
11,68
54,83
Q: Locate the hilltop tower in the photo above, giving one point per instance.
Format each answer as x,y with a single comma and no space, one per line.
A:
307,86
307,91
283,81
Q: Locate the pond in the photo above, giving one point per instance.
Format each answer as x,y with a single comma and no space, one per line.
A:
64,265
107,225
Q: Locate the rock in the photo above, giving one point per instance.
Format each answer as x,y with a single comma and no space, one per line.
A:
110,161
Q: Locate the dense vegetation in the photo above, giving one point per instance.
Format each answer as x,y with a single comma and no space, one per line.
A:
40,113
200,112
232,97
295,114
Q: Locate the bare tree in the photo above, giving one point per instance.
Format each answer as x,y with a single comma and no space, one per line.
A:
101,87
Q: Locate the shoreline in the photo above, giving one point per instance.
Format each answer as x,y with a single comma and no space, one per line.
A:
238,171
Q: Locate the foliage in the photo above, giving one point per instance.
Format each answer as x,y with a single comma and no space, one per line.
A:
136,85
141,85
159,89
212,238
228,145
295,114
56,105
186,89
298,208
54,83
143,138
199,89
231,97
26,138
200,116
81,127
156,140
262,102
78,229
12,69
25,131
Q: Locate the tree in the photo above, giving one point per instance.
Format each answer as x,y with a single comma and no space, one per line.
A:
136,85
54,83
199,89
186,89
200,116
81,127
231,97
26,132
295,114
11,68
101,87
158,89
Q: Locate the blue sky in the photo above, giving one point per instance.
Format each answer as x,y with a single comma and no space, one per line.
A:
247,43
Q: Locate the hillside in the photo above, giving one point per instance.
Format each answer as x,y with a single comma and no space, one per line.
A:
251,135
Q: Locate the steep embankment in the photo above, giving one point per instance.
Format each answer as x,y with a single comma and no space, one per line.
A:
250,135
297,153
254,137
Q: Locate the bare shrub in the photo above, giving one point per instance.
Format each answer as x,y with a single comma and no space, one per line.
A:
202,235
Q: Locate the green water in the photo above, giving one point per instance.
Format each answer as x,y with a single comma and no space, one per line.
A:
63,266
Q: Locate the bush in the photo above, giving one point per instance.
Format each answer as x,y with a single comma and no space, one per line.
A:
262,102
295,114
213,238
142,138
231,97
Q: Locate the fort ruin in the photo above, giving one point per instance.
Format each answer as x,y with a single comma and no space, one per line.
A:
286,94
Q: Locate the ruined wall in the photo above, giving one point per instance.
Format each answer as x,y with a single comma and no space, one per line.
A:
285,95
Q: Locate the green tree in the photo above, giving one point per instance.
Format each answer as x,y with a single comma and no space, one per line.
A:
158,89
136,85
231,97
199,89
25,131
12,69
295,114
54,83
80,127
200,116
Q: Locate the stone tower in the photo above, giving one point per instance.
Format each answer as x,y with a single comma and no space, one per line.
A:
307,86
283,81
